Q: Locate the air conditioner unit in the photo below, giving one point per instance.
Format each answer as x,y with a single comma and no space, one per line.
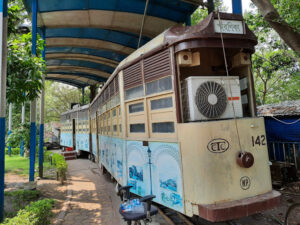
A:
209,98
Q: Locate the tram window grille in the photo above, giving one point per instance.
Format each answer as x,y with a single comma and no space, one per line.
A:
157,66
117,83
133,76
164,127
135,92
160,85
138,107
115,128
137,128
161,103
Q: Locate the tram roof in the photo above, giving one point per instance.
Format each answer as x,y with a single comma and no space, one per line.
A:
87,39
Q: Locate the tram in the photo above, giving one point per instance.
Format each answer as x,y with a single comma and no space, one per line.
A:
177,119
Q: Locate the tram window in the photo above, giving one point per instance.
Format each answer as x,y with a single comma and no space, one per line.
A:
120,128
114,112
160,85
138,107
108,115
161,103
115,128
119,111
137,128
108,128
164,127
134,92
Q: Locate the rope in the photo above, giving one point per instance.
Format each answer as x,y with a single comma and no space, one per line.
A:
227,73
287,123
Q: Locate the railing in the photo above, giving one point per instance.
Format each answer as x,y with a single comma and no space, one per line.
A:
285,152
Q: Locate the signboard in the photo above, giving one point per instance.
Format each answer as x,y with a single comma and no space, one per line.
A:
229,26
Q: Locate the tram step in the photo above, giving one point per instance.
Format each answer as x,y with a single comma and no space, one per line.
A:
66,154
70,157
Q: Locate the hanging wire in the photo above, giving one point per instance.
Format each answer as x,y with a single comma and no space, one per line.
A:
227,73
286,123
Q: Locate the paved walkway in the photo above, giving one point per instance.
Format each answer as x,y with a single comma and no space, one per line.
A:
93,198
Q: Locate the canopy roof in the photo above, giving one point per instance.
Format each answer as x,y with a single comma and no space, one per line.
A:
87,39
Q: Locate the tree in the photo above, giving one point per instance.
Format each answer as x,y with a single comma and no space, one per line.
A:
275,66
24,71
58,99
284,17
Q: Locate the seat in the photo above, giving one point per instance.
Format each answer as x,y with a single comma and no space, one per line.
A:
136,215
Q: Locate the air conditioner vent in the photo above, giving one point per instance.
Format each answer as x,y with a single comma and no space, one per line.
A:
211,99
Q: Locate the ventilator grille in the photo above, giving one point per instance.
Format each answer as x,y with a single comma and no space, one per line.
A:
211,99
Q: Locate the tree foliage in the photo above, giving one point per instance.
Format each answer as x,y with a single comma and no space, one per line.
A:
275,65
22,131
24,71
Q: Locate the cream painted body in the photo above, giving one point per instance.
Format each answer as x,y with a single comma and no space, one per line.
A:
210,178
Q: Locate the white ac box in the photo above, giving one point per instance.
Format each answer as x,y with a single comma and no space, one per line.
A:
211,98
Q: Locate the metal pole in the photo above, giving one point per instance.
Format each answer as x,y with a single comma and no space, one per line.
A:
33,103
237,7
295,156
82,101
9,125
23,122
143,23
3,53
42,110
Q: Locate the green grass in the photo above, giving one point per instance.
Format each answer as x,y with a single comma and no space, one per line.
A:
19,165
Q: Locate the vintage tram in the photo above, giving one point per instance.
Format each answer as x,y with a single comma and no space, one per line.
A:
177,119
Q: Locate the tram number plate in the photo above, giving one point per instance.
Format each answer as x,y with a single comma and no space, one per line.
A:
258,140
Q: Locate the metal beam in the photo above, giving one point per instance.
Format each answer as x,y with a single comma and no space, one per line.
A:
9,125
72,83
33,103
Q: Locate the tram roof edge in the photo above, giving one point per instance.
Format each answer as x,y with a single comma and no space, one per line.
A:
188,37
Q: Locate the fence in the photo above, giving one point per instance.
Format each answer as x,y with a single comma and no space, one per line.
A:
285,152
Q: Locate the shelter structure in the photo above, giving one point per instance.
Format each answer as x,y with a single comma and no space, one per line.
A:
282,123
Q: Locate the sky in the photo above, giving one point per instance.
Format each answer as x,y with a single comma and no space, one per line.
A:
245,5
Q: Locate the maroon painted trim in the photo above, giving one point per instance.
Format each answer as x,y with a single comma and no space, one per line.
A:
176,86
240,208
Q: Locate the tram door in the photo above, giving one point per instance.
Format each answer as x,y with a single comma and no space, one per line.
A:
74,133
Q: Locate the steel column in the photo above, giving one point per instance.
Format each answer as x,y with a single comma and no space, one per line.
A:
33,103
23,122
9,125
42,110
82,92
3,60
237,7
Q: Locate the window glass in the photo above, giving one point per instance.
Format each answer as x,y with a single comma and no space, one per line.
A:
137,128
114,112
161,103
138,107
115,128
134,92
164,127
160,85
120,128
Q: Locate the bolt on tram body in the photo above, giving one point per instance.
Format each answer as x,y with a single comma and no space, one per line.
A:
177,119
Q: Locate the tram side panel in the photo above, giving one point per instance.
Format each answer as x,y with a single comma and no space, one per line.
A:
82,135
66,138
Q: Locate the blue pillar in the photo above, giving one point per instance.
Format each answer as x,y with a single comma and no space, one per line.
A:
42,107
188,21
33,103
3,53
9,125
23,122
237,7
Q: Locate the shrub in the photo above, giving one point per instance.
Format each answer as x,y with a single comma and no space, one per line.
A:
61,166
37,213
14,151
